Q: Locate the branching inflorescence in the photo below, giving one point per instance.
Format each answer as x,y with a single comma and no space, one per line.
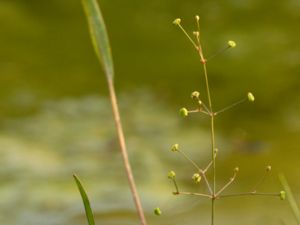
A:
199,175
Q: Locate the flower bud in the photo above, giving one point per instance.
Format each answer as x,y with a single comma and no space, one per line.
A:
196,177
250,97
171,174
175,148
268,169
177,21
197,17
157,211
195,95
236,169
282,195
183,112
231,44
196,33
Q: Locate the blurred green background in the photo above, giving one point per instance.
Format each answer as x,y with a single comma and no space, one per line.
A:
56,118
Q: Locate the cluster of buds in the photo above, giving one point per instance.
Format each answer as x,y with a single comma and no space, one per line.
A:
196,178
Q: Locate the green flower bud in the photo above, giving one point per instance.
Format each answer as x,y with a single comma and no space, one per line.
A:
157,211
196,177
177,21
195,95
196,33
231,44
268,169
175,148
183,112
282,195
171,174
236,169
250,97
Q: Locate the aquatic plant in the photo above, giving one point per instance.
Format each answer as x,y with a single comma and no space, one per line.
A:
213,192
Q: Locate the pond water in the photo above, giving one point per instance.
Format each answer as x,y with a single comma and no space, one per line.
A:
56,119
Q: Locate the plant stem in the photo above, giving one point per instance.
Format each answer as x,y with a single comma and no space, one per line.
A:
213,158
248,194
203,61
122,143
197,194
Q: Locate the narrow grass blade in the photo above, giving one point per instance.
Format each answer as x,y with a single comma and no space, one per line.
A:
99,36
290,197
86,202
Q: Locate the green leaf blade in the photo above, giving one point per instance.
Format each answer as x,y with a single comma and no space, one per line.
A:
99,36
86,202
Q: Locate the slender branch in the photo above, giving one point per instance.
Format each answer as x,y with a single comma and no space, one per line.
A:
197,194
176,186
211,162
199,110
249,194
206,108
217,53
190,160
188,36
203,61
230,106
262,179
206,181
122,143
226,185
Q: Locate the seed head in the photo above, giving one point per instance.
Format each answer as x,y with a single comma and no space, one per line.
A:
196,177
231,44
195,95
282,195
177,21
175,148
250,97
157,211
183,112
171,174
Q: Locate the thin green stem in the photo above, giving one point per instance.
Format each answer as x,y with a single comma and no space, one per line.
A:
188,36
249,194
190,160
198,168
199,110
203,61
206,181
230,106
261,180
197,194
217,53
213,211
176,186
226,185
